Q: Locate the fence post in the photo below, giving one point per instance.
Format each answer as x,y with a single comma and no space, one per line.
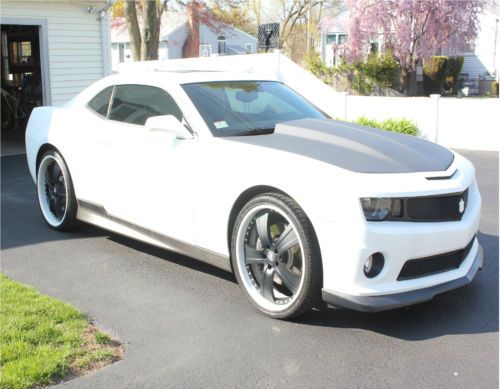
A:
435,109
277,52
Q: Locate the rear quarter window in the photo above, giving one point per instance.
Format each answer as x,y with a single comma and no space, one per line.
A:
100,103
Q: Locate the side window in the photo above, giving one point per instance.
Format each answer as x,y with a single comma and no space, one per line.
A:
134,104
100,102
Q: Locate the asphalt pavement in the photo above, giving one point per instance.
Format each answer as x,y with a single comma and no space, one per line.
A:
187,324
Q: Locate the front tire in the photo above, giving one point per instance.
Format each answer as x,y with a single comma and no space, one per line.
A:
56,196
276,257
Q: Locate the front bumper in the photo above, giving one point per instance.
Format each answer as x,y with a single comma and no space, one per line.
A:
397,300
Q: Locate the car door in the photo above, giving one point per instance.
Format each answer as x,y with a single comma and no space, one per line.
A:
150,172
90,148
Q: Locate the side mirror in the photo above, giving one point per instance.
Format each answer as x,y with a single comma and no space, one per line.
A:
168,123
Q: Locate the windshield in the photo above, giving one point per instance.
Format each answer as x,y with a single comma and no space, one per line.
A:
248,107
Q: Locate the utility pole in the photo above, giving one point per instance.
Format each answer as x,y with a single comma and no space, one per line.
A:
308,33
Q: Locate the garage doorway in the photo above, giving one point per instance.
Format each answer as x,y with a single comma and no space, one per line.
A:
22,82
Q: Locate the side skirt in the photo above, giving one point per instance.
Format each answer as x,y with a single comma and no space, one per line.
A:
97,215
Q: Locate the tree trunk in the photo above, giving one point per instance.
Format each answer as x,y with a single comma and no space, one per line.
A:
133,29
403,80
408,82
150,32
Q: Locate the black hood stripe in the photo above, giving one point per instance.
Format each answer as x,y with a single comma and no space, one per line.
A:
354,147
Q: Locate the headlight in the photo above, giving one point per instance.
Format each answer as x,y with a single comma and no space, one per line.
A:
380,208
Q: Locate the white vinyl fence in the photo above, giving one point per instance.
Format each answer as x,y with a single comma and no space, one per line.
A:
459,123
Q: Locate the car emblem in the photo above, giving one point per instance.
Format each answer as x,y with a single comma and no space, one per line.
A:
461,206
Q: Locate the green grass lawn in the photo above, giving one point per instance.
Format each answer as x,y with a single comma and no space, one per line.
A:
43,339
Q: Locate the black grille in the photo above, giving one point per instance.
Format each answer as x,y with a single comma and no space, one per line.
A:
421,267
433,208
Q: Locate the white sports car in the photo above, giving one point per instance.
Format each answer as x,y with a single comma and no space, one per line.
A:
247,175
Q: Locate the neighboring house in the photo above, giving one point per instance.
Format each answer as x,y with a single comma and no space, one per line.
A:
195,37
120,39
61,47
481,60
333,35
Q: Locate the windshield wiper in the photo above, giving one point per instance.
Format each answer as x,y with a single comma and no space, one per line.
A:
256,131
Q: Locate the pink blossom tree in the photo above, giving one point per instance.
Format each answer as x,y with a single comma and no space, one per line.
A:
412,29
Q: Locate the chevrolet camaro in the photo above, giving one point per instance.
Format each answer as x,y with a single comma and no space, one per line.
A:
247,175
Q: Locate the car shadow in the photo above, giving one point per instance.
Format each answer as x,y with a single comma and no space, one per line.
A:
22,222
454,312
173,257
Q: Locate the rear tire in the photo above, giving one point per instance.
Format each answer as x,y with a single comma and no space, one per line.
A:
56,196
275,256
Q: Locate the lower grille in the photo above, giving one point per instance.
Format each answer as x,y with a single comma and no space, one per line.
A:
422,267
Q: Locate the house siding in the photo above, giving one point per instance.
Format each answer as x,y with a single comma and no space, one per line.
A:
234,37
76,40
484,62
176,41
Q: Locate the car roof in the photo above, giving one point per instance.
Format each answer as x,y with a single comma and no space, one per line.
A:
180,77
164,78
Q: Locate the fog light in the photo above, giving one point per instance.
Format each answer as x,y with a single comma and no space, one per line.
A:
373,265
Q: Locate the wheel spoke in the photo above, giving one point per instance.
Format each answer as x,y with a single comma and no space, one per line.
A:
252,255
57,199
60,211
53,205
291,280
263,230
56,171
60,190
52,174
48,179
266,284
286,240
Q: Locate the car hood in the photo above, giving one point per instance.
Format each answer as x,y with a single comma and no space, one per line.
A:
354,147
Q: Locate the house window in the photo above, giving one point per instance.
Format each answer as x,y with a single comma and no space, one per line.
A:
20,52
222,44
205,51
374,47
331,38
336,38
249,48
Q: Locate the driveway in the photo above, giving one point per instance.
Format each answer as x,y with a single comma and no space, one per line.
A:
186,324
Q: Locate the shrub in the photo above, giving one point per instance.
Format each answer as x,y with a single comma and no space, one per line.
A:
382,68
453,69
362,77
316,65
434,74
358,79
368,122
494,88
402,126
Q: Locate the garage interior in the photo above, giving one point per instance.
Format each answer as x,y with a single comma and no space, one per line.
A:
21,83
